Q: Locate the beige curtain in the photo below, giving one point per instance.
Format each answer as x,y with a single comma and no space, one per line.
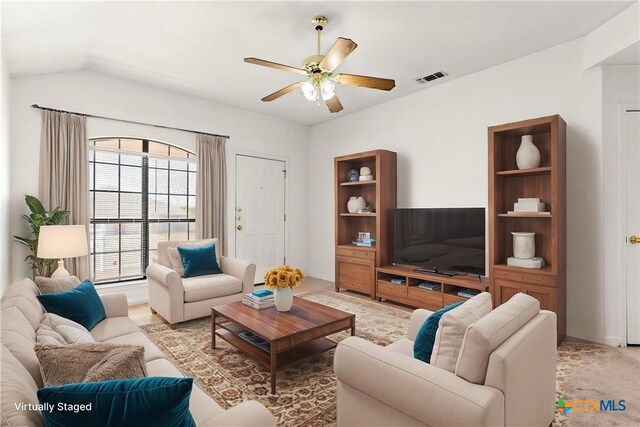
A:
211,188
63,173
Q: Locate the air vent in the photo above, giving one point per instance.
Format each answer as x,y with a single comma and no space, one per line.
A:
426,79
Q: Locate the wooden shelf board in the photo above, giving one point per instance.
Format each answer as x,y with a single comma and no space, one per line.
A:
350,184
544,270
532,171
285,358
352,246
372,215
524,215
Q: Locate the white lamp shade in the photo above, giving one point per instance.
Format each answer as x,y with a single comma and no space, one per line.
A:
62,241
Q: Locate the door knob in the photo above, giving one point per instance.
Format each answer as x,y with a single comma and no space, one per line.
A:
634,240
239,227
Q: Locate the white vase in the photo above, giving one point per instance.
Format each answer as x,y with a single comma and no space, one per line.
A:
528,155
352,205
524,245
356,203
283,298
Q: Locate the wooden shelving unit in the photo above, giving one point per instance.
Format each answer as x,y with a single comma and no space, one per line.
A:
355,265
410,294
548,182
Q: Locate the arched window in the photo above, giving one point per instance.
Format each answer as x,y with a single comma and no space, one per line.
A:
141,192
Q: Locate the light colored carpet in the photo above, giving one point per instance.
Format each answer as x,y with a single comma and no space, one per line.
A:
306,393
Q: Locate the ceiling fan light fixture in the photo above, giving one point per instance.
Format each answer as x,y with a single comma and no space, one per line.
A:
309,90
327,89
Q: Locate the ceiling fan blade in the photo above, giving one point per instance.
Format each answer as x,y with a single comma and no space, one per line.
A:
338,52
275,65
281,92
334,104
365,81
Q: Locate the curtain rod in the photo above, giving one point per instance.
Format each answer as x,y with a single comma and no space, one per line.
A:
127,121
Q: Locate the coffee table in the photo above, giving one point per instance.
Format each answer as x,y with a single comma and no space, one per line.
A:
293,336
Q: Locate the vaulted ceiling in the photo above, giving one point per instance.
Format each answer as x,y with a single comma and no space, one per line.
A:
198,47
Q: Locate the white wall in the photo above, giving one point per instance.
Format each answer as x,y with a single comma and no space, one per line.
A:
620,85
440,135
5,234
100,94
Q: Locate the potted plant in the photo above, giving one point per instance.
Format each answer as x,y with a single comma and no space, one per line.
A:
282,280
36,219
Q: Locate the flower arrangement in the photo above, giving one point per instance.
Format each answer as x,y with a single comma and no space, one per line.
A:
283,277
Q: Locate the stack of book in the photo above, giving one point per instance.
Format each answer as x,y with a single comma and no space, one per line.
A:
432,286
531,204
398,281
259,299
255,340
468,293
535,262
367,243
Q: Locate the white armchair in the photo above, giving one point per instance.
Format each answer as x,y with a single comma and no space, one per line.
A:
379,386
178,299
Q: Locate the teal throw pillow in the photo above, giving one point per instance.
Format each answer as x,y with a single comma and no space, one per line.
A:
199,260
139,402
82,305
423,345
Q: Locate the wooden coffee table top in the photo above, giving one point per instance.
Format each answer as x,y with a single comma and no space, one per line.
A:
273,325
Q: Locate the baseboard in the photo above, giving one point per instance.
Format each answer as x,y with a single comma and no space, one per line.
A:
612,341
590,337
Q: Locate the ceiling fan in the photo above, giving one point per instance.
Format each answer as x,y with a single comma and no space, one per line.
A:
320,82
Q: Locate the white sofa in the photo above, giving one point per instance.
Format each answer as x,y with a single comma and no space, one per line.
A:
178,299
383,386
21,312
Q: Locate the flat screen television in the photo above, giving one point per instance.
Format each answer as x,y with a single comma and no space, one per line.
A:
448,241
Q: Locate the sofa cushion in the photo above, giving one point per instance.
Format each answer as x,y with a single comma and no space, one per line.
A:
205,287
23,296
18,337
402,346
453,326
169,256
70,331
488,333
17,388
200,261
112,327
202,406
423,345
157,401
151,351
78,363
82,305
51,285
47,336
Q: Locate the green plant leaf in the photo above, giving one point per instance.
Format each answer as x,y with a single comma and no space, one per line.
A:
34,205
56,216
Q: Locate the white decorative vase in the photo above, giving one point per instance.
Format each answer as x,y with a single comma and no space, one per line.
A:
283,298
528,155
356,203
524,245
352,205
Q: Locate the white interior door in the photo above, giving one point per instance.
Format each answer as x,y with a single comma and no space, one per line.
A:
631,140
260,214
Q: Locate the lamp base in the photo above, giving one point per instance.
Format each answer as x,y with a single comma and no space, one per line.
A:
60,271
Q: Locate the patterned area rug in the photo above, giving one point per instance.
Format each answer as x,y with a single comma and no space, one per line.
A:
594,372
305,393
